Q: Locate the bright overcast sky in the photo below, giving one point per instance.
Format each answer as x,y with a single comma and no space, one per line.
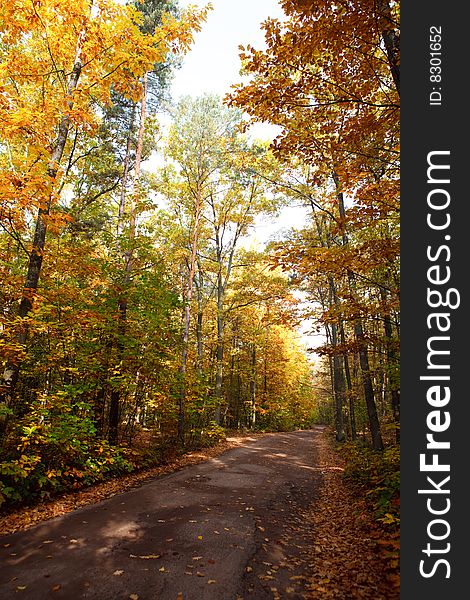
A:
212,65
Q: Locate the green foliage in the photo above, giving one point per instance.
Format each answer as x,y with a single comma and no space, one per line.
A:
54,448
279,418
208,436
377,475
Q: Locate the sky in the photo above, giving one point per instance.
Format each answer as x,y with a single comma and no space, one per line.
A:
213,65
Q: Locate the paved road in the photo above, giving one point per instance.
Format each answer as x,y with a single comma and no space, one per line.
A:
191,535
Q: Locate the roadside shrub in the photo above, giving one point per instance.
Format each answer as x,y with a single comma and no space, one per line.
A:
53,448
377,474
208,436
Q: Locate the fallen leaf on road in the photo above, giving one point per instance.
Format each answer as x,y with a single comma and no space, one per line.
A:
199,537
21,587
56,588
211,581
134,597
249,569
118,572
199,574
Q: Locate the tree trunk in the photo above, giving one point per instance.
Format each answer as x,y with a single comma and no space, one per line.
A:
336,369
115,400
391,40
374,424
125,174
220,348
188,295
265,358
253,385
347,372
392,361
339,388
199,324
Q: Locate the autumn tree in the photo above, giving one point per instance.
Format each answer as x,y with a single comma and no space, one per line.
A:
336,98
216,192
54,71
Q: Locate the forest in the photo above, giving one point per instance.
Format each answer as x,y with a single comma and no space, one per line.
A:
138,313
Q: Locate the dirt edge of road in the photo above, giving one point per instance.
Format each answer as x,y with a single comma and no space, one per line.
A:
328,549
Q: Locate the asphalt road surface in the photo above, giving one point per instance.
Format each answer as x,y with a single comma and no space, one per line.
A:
202,533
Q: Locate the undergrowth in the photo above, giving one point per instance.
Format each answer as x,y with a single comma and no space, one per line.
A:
51,451
376,476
